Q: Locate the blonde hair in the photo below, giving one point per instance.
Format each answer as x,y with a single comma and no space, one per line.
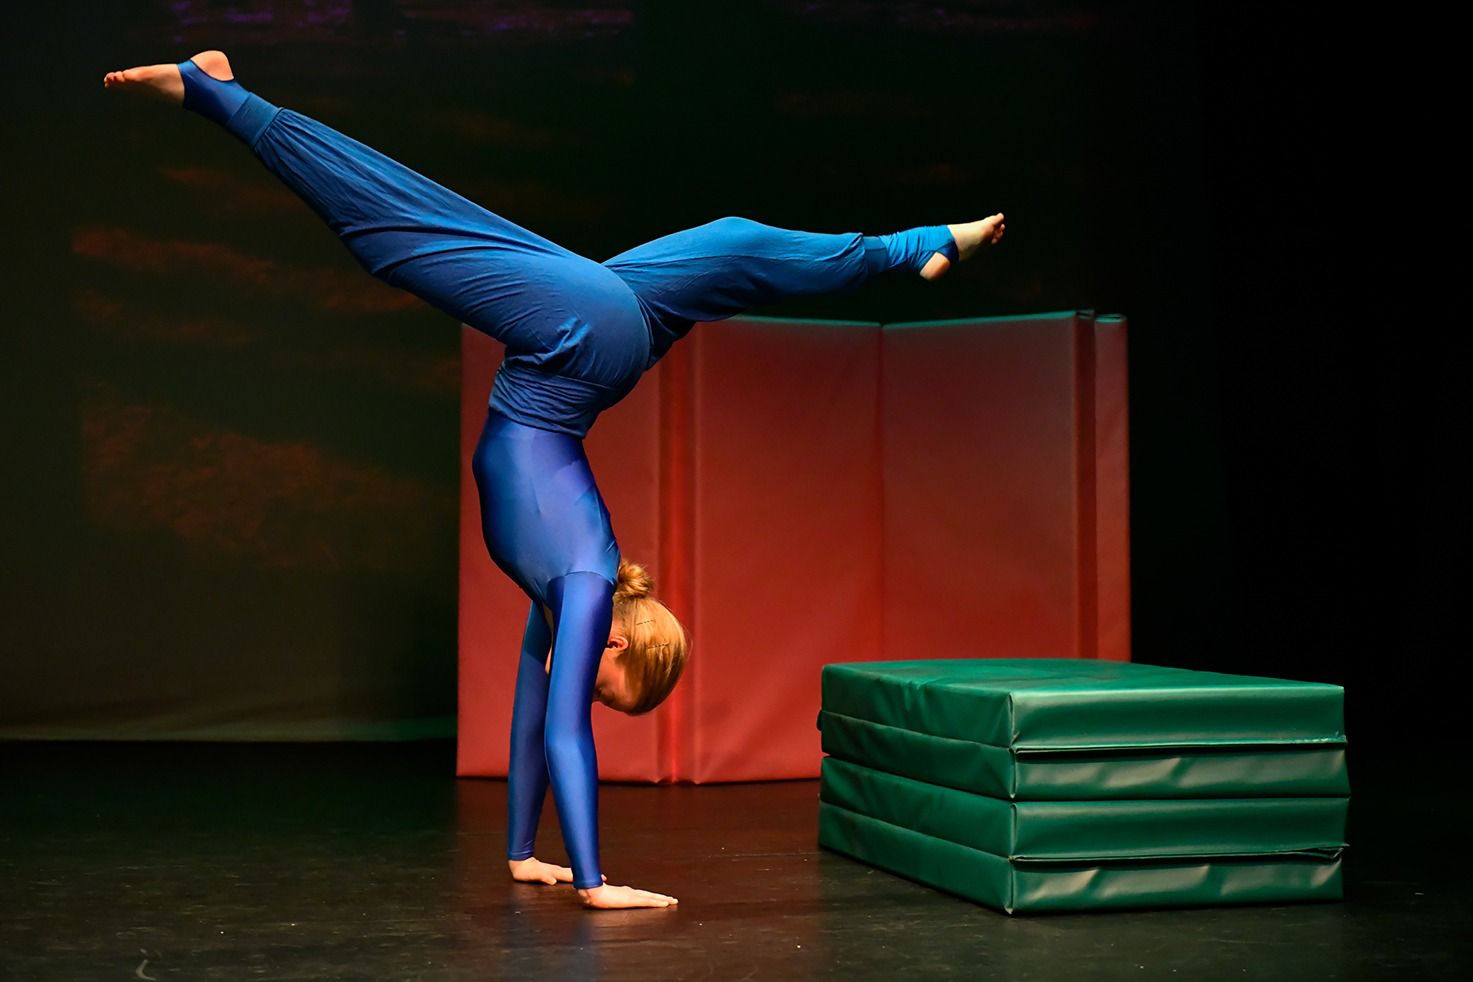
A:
658,644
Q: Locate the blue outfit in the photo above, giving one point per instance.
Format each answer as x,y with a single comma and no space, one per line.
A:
578,336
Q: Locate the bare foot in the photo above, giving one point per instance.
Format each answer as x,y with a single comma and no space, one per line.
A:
163,81
969,238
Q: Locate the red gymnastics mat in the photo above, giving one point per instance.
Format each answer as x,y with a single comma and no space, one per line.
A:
807,492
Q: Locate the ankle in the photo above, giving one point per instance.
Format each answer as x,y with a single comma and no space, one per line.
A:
912,248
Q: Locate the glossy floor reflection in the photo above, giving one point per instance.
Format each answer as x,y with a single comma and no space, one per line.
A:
371,861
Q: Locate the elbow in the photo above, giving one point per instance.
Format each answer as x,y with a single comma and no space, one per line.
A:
569,748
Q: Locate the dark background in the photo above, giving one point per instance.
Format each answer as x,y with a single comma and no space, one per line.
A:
232,456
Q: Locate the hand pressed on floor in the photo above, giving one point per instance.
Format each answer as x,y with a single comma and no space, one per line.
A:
621,896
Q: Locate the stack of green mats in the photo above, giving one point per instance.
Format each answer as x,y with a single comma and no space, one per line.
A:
1059,784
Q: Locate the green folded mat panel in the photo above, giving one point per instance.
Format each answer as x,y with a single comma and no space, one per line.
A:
1028,774
1071,729
1090,831
1051,885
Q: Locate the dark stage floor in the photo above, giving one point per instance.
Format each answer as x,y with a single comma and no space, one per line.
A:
370,861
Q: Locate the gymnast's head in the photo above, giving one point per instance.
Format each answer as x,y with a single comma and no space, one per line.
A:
647,647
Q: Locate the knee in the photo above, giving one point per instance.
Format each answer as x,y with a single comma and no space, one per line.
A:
737,229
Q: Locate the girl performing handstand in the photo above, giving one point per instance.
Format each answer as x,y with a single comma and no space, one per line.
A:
578,336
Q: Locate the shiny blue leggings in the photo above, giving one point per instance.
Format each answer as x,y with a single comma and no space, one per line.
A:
578,335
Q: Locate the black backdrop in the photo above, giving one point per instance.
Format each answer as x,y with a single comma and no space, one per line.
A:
232,456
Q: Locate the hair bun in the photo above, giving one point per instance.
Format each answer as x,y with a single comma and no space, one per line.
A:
633,581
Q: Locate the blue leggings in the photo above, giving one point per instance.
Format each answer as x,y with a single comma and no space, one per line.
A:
578,336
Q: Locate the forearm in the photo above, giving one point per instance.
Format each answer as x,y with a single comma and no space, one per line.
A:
583,607
573,765
527,781
526,775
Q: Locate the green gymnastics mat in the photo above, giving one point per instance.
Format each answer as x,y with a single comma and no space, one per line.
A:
1068,729
1090,831
1029,885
